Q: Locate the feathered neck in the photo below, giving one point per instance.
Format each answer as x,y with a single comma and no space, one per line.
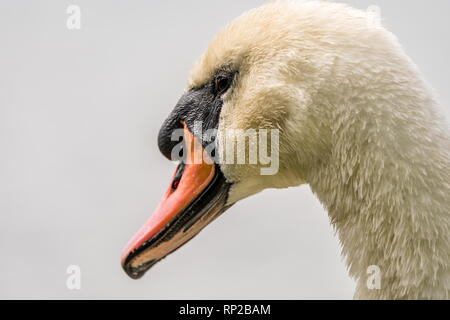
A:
386,185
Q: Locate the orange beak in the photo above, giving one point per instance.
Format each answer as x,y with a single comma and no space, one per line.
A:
196,196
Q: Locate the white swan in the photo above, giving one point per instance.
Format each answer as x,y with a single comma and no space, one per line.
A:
357,123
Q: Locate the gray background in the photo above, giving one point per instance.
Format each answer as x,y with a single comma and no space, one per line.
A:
80,170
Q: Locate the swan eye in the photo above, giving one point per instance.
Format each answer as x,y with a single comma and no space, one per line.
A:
222,83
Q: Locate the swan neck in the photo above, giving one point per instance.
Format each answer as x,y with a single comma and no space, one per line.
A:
386,187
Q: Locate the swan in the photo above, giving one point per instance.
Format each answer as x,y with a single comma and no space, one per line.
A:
356,122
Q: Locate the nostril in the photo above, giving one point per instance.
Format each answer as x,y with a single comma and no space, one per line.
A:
177,178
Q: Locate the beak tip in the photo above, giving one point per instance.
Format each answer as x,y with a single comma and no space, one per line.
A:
132,272
136,272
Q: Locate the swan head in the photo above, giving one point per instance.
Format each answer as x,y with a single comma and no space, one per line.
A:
279,70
